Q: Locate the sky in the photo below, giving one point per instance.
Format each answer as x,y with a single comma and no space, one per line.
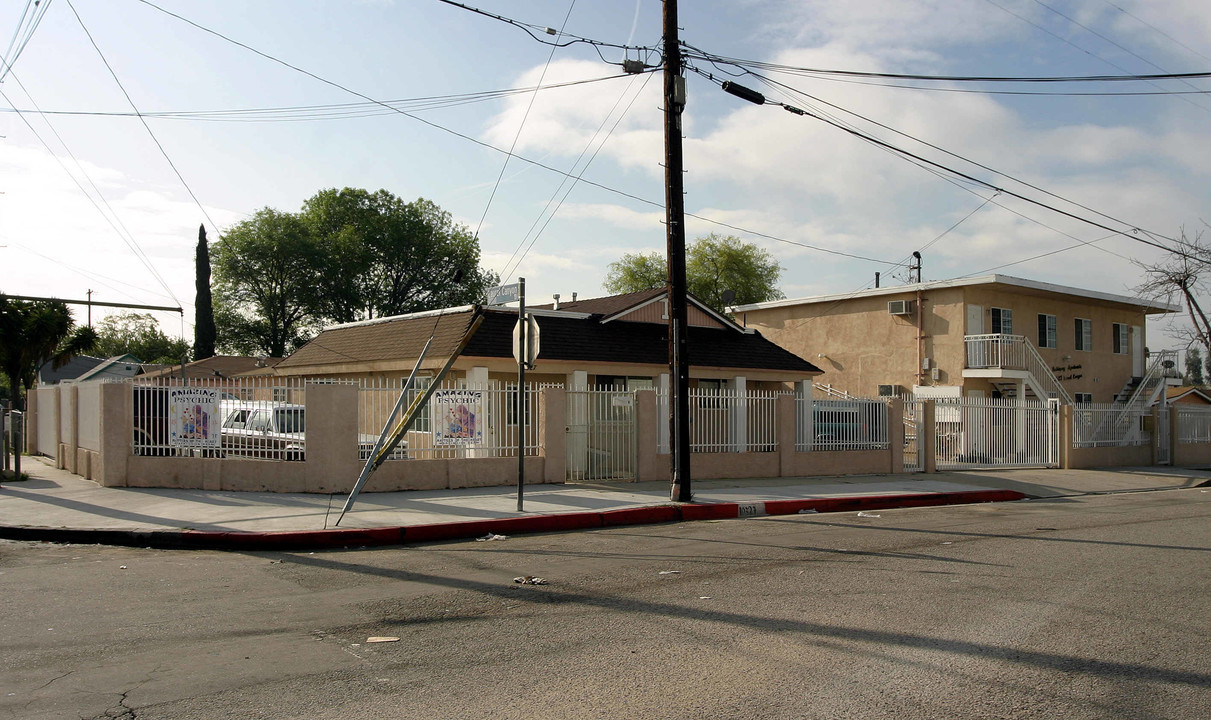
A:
96,198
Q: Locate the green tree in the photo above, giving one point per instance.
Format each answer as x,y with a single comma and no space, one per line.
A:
204,333
140,335
714,264
267,275
32,333
1194,366
389,257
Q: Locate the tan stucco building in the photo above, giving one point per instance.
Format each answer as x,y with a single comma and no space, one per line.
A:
971,337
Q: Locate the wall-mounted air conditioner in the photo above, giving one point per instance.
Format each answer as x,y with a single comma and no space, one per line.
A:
889,391
901,307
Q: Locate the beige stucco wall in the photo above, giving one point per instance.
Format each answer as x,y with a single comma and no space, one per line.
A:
860,346
1098,371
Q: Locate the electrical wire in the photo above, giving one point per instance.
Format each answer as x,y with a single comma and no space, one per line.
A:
489,146
531,28
142,120
1166,35
694,53
338,111
35,20
510,267
942,150
114,221
521,126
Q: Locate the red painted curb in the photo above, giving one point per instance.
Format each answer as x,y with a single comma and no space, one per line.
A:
562,522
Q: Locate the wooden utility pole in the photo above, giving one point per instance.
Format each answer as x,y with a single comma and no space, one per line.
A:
679,364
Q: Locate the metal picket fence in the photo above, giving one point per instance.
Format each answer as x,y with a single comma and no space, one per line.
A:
1193,424
1108,425
493,413
850,424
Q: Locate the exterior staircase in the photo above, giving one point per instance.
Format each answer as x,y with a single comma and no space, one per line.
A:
1007,360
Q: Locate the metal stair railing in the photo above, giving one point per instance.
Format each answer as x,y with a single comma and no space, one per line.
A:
1014,352
1153,381
833,392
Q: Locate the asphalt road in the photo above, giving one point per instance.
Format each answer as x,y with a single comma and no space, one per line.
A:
1071,608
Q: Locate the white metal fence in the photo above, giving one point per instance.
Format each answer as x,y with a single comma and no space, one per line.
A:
259,417
1193,424
982,432
730,421
492,412
1108,425
851,424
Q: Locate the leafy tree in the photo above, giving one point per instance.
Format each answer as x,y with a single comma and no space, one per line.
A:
389,257
140,335
1194,366
713,264
204,333
32,333
268,270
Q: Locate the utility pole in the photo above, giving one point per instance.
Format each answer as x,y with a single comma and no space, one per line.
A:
679,364
90,307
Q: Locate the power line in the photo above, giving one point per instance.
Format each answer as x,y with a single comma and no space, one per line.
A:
489,146
35,20
522,125
946,152
873,140
531,28
114,221
141,119
337,111
697,54
510,267
1158,30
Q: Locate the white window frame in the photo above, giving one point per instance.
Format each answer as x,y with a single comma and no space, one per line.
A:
1048,331
1084,335
1002,321
1122,339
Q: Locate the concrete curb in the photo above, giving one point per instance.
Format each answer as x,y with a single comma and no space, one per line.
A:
561,522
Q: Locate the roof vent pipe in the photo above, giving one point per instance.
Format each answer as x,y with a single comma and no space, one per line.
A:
573,297
556,296
876,280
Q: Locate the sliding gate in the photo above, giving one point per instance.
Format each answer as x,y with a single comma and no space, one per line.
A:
996,433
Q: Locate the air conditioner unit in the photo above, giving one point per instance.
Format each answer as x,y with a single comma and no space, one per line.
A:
901,307
889,391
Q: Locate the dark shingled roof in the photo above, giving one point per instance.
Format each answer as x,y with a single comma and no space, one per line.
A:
563,338
607,305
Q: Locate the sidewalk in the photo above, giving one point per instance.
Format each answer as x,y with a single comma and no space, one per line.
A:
56,505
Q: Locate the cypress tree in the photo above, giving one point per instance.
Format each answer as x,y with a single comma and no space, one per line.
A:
204,333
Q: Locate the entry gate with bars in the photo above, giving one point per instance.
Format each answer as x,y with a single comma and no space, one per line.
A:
973,433
601,435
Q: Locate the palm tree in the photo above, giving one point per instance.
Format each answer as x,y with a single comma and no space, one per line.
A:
32,333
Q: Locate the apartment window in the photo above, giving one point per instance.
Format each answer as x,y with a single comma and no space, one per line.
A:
1002,321
1082,398
1047,331
1122,342
1084,334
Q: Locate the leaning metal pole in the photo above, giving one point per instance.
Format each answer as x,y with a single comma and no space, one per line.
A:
679,364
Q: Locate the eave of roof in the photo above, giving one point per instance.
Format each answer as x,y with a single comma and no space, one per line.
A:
1149,306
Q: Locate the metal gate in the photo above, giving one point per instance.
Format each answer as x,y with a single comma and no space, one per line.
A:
986,432
912,454
601,435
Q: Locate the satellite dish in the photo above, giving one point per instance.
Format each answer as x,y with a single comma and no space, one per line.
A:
728,297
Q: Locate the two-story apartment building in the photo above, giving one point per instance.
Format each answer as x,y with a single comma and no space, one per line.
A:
989,336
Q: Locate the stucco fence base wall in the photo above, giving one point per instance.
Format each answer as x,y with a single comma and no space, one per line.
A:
1078,458
1191,454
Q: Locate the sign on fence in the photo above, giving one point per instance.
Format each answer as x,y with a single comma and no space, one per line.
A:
193,417
458,417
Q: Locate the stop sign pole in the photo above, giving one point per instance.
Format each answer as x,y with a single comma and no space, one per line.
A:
525,351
